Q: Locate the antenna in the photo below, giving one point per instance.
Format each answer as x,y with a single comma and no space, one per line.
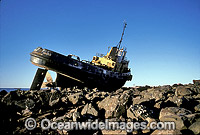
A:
119,44
108,49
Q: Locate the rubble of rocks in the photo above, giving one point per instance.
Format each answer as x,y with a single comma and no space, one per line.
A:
178,103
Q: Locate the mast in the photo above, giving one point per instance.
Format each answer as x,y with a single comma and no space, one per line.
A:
119,44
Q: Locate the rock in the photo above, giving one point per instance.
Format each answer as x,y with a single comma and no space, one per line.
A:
197,108
191,118
44,97
145,131
196,96
76,98
159,93
149,120
196,82
64,99
183,91
73,114
180,123
175,114
89,109
140,100
135,92
198,119
115,106
162,92
12,96
176,85
113,132
89,96
62,132
179,101
196,89
61,118
158,104
26,112
130,113
195,128
166,132
43,116
53,102
112,106
25,103
125,98
97,96
166,88
119,91
55,97
3,93
31,94
189,102
142,88
126,104
175,110
138,111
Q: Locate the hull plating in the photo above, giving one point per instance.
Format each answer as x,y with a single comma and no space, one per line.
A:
72,72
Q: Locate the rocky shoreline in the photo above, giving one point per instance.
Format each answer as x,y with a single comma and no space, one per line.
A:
178,103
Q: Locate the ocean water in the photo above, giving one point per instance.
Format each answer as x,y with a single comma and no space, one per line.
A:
13,89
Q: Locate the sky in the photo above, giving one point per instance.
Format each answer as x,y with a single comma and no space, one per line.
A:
162,36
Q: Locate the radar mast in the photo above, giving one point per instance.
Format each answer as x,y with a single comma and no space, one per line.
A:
119,44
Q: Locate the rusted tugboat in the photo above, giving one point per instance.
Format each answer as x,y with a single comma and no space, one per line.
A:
105,72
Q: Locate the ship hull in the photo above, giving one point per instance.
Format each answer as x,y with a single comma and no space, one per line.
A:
73,72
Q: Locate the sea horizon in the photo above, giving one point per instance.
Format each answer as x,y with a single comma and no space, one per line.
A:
13,89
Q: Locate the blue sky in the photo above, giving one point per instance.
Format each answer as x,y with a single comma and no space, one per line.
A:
162,36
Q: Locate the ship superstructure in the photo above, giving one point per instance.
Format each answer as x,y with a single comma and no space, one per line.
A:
105,72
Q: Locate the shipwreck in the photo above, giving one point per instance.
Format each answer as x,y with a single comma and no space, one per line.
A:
105,72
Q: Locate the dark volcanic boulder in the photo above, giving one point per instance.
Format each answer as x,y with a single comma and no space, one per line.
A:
12,96
140,100
139,112
157,93
196,82
191,118
183,91
3,93
115,106
167,132
89,109
195,128
54,98
112,106
179,101
76,98
25,103
175,114
96,96
197,108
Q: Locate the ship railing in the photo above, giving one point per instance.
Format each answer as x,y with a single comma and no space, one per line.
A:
74,57
38,49
86,61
